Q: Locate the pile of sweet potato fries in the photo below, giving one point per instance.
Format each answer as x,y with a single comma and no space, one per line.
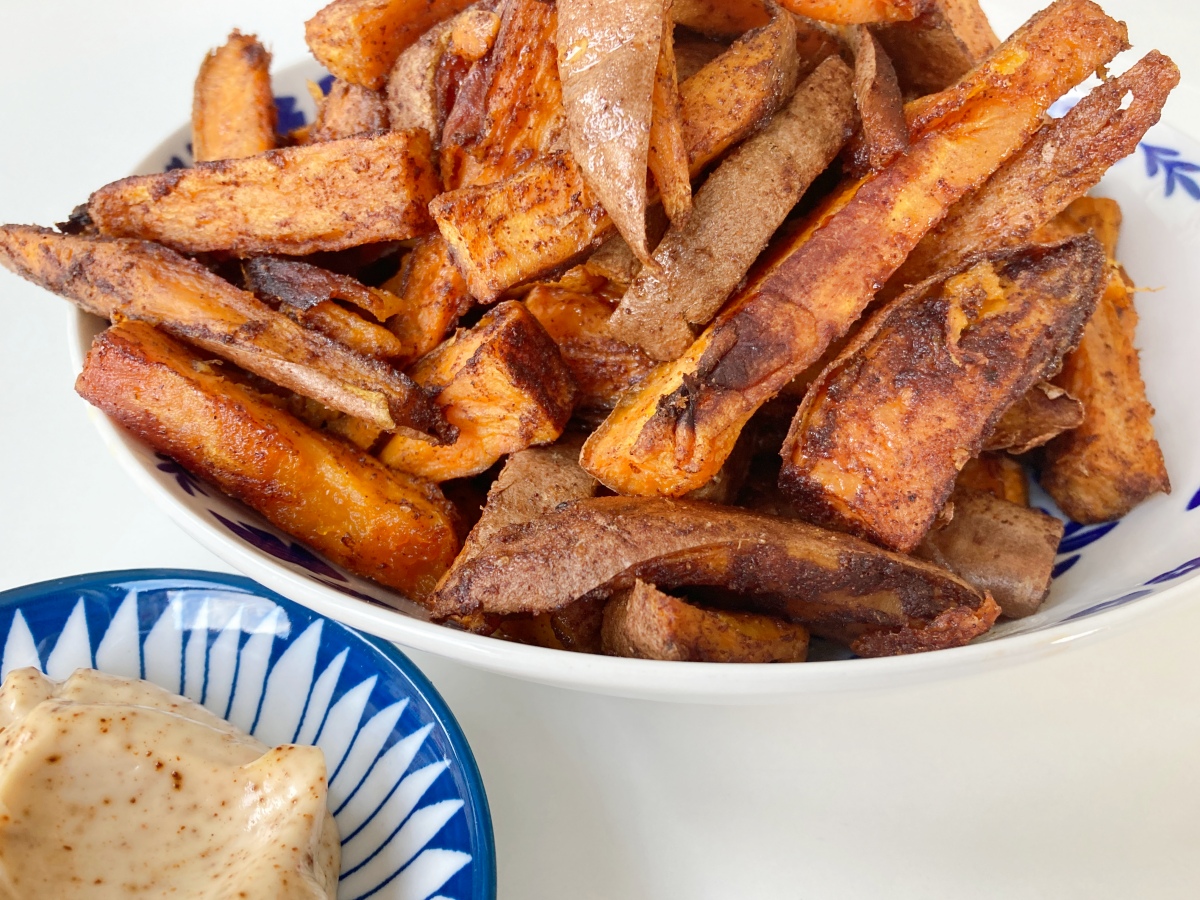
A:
679,330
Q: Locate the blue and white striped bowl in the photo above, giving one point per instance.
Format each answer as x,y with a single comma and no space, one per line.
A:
403,785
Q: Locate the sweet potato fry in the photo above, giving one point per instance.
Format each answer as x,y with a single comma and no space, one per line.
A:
302,285
360,40
298,200
383,525
347,110
668,158
1045,411
1001,548
672,433
877,444
720,18
1099,215
602,366
939,46
544,218
433,296
877,94
348,328
233,109
700,262
834,584
615,262
502,384
693,52
644,623
1065,159
125,279
997,474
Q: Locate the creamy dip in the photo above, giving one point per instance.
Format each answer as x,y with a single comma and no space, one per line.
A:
111,787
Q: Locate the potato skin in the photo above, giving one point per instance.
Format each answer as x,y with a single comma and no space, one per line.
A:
380,524
233,108
347,110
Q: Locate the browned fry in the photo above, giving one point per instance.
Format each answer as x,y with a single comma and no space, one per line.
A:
879,602
383,525
668,157
701,261
544,218
879,462
720,18
298,200
1002,548
607,57
359,40
939,46
884,129
602,366
347,110
1099,215
693,52
576,627
997,474
347,328
614,260
122,279
671,434
433,293
233,109
857,12
1045,411
1065,159
302,285
502,384
1111,462
644,623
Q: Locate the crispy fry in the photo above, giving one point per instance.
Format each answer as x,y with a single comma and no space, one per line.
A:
233,109
857,12
701,261
502,384
1065,159
997,474
1099,215
433,296
347,328
326,196
347,110
720,18
644,623
302,285
383,525
668,158
544,217
360,40
136,280
1002,548
602,366
671,434
884,129
1045,411
607,56
693,52
614,260
938,47
877,601
879,462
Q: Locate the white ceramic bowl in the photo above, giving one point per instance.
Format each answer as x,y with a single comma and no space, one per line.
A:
1106,575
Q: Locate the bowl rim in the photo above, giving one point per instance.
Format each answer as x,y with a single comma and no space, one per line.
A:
479,810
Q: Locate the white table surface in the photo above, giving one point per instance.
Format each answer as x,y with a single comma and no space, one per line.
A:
1077,776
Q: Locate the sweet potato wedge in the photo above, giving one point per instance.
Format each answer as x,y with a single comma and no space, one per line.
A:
938,47
856,12
668,157
878,442
670,435
834,584
644,623
433,296
383,525
360,40
303,285
1002,548
348,110
326,196
720,18
1044,412
877,94
348,328
1065,159
122,279
997,474
700,262
602,366
502,384
233,109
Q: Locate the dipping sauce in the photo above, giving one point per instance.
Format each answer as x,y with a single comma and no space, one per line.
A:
112,787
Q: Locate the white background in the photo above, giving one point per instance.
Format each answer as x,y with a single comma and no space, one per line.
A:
1077,776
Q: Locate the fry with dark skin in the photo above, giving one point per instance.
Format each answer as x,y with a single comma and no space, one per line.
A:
877,94
1045,412
877,444
383,525
672,433
233,108
720,18
878,602
668,158
326,196
644,623
939,46
138,280
303,285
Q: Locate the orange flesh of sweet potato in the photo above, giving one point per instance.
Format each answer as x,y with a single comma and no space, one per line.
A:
347,328
997,474
1044,412
433,295
668,156
326,196
856,12
233,109
878,442
939,46
122,279
347,110
834,584
645,623
502,384
671,434
302,285
360,40
382,525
